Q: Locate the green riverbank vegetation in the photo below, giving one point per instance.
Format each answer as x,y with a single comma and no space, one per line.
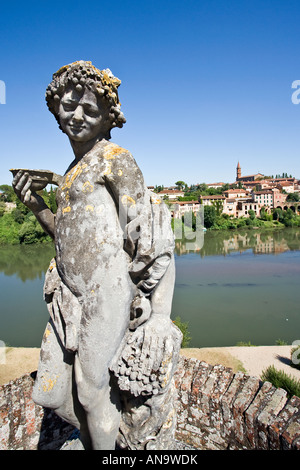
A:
212,221
18,225
278,218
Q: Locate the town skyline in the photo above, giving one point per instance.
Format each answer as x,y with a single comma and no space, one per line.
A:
255,194
238,177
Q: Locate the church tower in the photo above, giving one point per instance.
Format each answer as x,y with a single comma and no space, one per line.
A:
238,171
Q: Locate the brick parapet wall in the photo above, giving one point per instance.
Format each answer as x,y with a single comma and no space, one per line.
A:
216,409
25,425
219,410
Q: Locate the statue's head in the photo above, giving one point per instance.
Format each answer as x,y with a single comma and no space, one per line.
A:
81,81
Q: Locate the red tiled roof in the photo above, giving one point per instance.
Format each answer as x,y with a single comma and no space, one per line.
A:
263,191
286,183
170,191
235,191
181,203
217,196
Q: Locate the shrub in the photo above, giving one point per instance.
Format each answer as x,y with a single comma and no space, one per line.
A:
295,356
244,343
184,330
280,342
209,216
8,229
19,216
280,379
2,208
241,223
31,232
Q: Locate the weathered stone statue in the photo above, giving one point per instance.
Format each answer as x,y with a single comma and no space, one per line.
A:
109,350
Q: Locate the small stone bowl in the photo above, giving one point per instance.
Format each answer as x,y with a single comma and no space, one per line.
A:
40,178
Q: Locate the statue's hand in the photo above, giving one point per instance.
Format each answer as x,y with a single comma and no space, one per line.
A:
139,312
21,184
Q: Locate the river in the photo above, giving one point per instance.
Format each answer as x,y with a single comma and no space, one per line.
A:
237,287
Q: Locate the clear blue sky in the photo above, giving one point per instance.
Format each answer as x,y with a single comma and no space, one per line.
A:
205,83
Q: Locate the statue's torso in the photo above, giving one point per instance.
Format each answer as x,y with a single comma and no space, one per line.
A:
88,236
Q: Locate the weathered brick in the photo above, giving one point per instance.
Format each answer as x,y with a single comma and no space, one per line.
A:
187,378
267,416
22,422
196,408
182,416
223,379
183,378
4,418
190,438
254,409
240,405
30,417
296,444
227,401
199,379
276,428
291,433
180,370
193,429
4,434
215,440
204,398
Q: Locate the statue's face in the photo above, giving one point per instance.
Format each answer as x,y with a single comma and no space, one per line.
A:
81,115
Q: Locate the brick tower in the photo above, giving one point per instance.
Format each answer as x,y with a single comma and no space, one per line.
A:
238,171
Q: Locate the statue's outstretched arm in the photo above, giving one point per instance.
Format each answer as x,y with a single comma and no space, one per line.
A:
22,183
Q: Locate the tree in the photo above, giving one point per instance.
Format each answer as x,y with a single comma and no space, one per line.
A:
251,214
31,232
209,216
8,193
202,187
180,185
291,197
278,214
52,201
263,213
2,208
218,205
159,188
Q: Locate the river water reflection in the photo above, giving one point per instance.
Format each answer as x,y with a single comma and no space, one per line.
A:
23,311
239,286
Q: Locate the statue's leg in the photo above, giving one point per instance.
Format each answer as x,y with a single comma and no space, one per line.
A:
102,407
54,384
105,320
